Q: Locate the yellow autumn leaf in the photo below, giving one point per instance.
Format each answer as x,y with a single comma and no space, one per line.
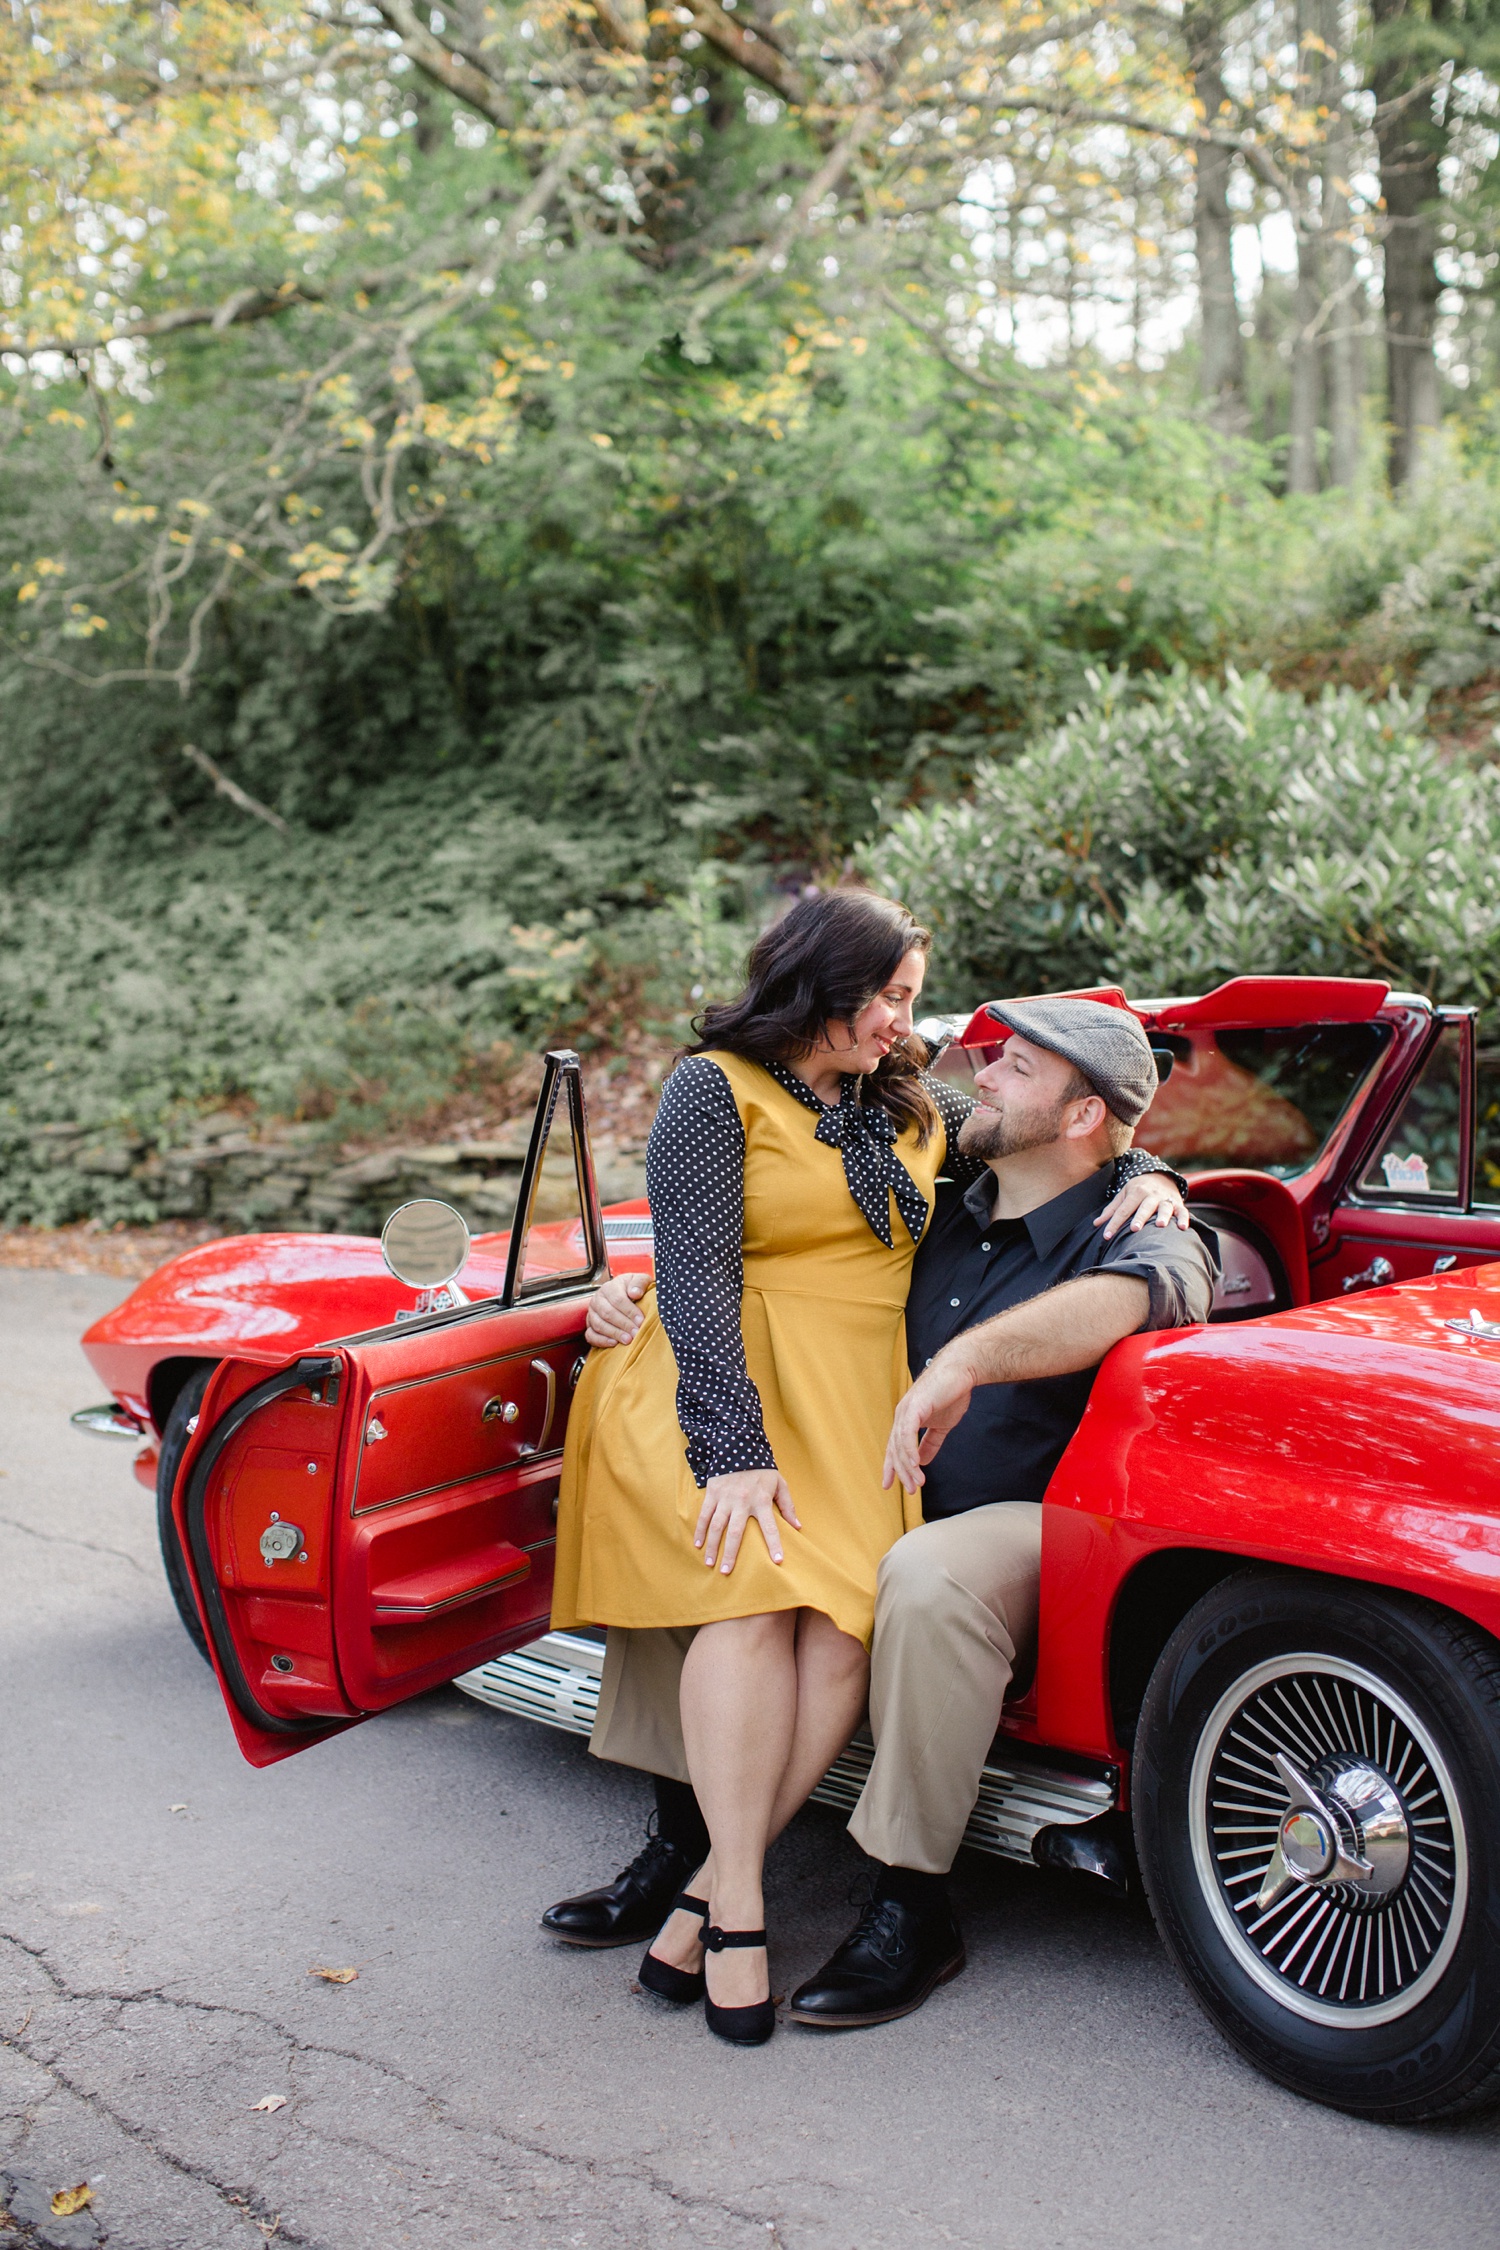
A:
270,2101
335,1976
68,2200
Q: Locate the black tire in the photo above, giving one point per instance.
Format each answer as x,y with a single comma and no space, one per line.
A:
168,1461
1299,1978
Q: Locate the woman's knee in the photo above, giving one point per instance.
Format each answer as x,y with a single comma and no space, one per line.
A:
832,1649
766,1634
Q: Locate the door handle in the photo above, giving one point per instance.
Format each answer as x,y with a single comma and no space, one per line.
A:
1375,1276
548,1373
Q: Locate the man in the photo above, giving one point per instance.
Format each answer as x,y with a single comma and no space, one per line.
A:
1016,1297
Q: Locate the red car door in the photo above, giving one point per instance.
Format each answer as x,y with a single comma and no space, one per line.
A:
1423,1199
369,1520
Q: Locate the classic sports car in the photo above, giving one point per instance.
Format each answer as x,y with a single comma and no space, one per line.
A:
1271,1562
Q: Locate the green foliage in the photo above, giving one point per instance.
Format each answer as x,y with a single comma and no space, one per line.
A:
1190,832
619,692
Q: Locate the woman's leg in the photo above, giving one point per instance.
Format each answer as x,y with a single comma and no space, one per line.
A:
832,1682
739,1715
833,1685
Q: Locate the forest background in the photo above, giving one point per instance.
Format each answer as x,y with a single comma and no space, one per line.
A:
496,494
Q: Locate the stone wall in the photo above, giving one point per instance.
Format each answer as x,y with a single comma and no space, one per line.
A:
292,1180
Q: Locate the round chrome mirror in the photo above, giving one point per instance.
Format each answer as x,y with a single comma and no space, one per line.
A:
425,1244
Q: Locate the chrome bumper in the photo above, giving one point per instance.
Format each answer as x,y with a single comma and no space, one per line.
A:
109,1420
556,1681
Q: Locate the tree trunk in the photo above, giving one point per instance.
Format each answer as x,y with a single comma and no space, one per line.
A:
1306,217
1341,347
1412,141
1307,362
1221,377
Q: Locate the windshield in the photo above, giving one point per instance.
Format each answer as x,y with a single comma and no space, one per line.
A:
1267,1101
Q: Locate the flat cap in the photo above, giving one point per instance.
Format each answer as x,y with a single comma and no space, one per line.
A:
1109,1045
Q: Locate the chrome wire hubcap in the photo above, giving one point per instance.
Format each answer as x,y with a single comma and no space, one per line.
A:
1328,1841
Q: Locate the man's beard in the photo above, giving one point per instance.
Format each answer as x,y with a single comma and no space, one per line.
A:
996,1131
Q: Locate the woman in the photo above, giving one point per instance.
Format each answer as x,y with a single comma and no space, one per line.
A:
724,1471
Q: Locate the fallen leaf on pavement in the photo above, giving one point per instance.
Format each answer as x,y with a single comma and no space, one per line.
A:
68,2200
271,2101
177,1808
335,1976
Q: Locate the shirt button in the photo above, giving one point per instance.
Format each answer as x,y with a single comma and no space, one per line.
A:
955,1302
984,1246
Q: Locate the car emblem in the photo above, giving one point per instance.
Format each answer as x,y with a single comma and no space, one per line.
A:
1476,1325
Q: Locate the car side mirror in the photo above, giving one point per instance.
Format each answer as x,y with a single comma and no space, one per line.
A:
426,1245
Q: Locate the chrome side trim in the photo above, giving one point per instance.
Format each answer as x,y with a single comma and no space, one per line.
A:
556,1681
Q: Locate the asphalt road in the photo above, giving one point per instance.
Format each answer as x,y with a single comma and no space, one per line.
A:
161,1906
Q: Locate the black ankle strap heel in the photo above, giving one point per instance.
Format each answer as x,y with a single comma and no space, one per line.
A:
680,1986
742,2027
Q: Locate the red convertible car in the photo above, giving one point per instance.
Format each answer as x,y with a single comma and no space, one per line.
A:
1271,1559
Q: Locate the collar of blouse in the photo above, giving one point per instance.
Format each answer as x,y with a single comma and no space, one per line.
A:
865,1138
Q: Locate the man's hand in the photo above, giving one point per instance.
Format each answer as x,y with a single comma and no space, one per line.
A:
1150,1195
728,1505
937,1401
1061,1332
614,1313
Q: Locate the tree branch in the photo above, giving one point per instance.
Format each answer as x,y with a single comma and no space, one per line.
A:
232,789
457,77
244,305
741,44
825,181
618,30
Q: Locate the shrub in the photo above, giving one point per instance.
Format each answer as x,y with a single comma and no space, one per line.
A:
1175,833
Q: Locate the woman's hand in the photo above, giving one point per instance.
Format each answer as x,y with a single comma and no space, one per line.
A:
614,1312
730,1502
1150,1195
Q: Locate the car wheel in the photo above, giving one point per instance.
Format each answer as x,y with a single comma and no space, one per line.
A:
1317,1814
168,1461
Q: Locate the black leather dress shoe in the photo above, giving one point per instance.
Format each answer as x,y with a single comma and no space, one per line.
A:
632,1907
891,1960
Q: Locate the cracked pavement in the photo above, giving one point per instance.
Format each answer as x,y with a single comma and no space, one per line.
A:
161,1906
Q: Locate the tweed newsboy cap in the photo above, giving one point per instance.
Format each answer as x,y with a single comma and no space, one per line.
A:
1109,1045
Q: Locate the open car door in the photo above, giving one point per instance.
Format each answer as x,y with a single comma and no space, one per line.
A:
369,1520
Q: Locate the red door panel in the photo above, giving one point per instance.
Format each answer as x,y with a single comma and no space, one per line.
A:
366,1523
1411,1243
266,1610
430,1587
488,1414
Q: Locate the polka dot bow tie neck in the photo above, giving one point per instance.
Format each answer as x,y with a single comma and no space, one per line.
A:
865,1137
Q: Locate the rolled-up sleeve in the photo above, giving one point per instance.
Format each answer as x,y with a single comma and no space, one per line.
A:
1179,1269
695,1179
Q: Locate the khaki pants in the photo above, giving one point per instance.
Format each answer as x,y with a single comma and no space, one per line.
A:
955,1621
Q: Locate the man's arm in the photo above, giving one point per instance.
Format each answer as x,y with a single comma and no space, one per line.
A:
1059,1333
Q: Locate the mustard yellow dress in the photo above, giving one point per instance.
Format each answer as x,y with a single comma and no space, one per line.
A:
821,1316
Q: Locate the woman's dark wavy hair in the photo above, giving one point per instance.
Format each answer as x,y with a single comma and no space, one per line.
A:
826,959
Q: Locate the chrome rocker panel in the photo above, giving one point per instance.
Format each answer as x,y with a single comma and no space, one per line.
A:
556,1681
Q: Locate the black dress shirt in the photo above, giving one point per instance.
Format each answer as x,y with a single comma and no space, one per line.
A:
972,1266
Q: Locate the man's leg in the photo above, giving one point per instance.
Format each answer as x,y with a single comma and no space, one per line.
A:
955,1619
639,1724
